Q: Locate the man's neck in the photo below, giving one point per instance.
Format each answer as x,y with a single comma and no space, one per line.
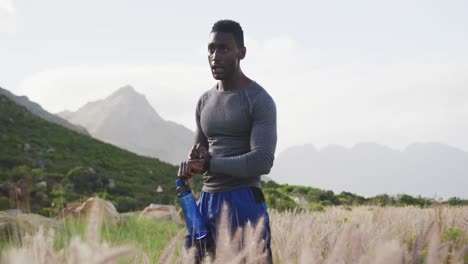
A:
236,83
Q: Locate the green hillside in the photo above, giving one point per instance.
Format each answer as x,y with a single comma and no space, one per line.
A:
43,166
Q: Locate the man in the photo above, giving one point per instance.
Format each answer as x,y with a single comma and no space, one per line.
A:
235,139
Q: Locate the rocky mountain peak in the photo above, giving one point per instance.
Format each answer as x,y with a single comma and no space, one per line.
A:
125,91
126,119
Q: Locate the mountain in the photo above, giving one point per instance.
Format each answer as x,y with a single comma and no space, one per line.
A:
126,119
39,111
44,165
427,169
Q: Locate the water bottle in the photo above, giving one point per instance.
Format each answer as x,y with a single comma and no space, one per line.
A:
193,218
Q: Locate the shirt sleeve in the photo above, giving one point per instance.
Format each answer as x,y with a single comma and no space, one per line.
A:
200,137
263,139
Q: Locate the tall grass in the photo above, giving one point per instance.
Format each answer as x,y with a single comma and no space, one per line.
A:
371,235
149,235
360,235
87,241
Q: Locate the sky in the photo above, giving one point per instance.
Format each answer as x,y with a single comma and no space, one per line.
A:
340,72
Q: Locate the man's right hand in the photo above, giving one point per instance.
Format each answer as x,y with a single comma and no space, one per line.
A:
197,152
189,168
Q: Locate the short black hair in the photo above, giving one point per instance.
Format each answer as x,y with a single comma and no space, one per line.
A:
230,26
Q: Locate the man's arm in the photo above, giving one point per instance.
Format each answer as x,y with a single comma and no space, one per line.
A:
195,164
200,137
262,144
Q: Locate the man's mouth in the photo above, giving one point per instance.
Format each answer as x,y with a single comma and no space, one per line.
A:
217,69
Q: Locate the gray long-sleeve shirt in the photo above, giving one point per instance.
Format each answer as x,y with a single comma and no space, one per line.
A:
239,129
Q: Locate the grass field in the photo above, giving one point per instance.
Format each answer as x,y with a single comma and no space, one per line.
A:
337,235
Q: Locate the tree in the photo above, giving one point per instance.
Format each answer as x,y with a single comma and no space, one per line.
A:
457,201
85,180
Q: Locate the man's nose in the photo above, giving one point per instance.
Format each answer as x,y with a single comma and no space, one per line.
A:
216,56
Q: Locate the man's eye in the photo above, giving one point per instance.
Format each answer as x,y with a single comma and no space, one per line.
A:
212,50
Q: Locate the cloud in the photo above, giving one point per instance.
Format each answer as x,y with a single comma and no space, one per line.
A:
320,98
7,16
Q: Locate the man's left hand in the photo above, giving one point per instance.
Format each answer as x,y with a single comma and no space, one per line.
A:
198,152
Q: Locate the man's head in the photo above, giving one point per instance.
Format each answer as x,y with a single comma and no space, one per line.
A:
229,26
225,49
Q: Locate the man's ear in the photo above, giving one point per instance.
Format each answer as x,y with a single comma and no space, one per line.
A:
242,52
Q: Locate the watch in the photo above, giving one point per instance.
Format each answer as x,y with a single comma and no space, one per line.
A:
206,162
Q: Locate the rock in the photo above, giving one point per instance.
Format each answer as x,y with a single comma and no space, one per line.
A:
42,184
161,212
105,208
9,228
39,163
49,150
13,212
69,210
111,184
13,228
34,221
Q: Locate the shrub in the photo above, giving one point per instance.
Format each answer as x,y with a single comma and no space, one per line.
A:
126,204
317,208
5,203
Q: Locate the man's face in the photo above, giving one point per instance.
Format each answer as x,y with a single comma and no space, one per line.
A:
224,55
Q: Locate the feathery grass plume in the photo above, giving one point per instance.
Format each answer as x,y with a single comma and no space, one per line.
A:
92,250
364,235
308,252
419,244
436,251
254,245
251,246
188,256
340,253
39,248
325,246
440,218
36,249
168,254
287,230
244,246
390,252
116,253
141,257
225,248
461,255
93,229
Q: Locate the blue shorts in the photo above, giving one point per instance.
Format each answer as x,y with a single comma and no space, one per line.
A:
245,204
